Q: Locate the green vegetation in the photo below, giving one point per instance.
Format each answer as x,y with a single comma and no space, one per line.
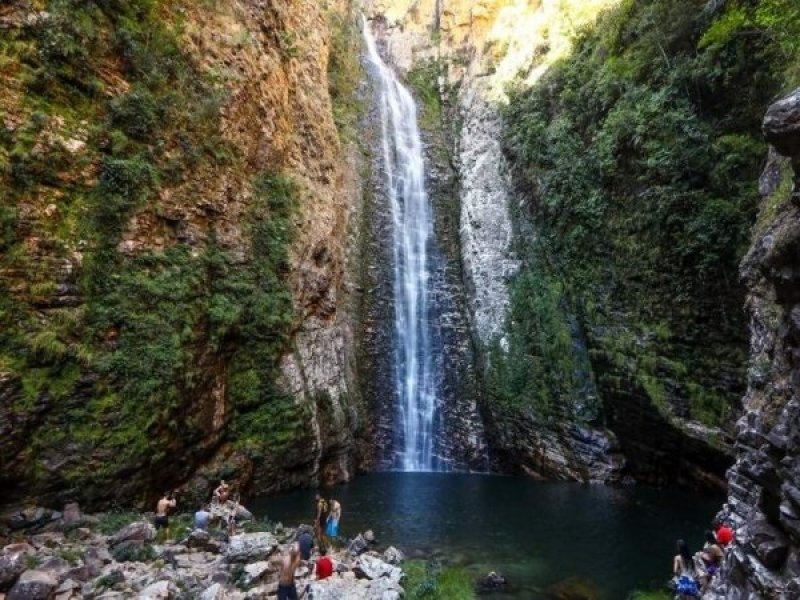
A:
423,78
345,72
640,154
431,581
131,553
155,329
111,522
165,311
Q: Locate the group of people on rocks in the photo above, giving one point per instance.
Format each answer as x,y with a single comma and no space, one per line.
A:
328,514
693,574
224,507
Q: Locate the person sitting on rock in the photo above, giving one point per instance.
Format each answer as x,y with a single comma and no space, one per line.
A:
163,507
306,542
286,587
222,493
685,573
202,518
711,557
324,564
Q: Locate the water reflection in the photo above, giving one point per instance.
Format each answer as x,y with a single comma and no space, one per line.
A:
538,533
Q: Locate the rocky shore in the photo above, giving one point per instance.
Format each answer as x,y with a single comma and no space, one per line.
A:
52,555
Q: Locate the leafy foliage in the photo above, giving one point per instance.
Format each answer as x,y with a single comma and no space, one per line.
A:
344,71
639,154
429,580
423,78
154,328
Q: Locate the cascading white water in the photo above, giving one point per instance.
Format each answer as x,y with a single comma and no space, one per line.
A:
415,386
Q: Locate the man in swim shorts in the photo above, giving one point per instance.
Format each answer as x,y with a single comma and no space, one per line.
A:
286,587
163,507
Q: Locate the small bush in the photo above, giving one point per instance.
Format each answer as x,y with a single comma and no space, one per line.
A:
111,522
133,553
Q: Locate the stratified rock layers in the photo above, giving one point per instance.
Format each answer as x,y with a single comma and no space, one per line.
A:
764,484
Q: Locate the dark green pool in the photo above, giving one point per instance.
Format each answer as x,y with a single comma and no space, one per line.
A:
537,533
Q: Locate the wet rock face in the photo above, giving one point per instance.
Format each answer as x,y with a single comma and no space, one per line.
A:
459,439
764,484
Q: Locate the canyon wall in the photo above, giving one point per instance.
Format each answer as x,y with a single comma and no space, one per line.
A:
764,484
179,213
605,173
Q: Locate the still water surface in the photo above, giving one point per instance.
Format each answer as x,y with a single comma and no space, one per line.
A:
537,533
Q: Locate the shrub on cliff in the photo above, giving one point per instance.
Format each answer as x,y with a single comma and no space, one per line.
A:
639,156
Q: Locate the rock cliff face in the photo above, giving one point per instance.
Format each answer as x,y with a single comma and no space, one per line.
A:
477,48
627,383
265,66
764,484
459,440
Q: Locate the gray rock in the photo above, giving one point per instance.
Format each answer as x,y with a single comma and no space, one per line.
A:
358,546
491,582
160,590
372,567
141,531
355,589
782,124
98,553
33,585
10,569
255,572
13,563
67,586
72,514
393,556
214,592
202,540
250,547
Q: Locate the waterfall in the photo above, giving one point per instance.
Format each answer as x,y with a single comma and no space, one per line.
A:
414,382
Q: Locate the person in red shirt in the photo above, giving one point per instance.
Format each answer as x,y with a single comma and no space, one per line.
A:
324,564
724,534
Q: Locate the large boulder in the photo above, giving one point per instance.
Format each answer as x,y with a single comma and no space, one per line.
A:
359,545
372,567
335,588
491,582
393,556
160,590
12,564
72,516
256,572
140,531
202,540
782,124
33,585
214,592
250,547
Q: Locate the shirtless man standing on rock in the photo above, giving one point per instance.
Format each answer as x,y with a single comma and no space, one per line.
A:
163,507
286,587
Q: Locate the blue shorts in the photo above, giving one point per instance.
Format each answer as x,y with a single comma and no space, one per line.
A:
332,530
